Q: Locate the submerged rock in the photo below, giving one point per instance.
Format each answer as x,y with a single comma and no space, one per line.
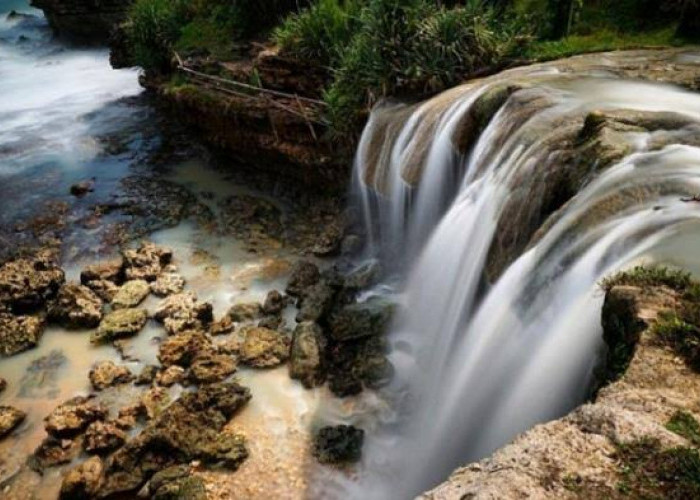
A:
183,311
84,481
40,380
107,374
306,362
10,418
304,274
131,294
146,262
264,348
120,323
19,333
73,416
339,444
103,437
76,306
27,284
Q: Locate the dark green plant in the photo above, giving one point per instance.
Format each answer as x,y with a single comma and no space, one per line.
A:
684,424
645,276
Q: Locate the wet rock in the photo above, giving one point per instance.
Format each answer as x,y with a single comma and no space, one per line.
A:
147,375
176,482
271,322
10,418
329,241
264,348
274,303
26,284
131,294
53,452
153,401
222,327
80,189
355,364
306,354
170,376
103,437
189,429
209,368
316,302
183,311
168,284
364,319
351,245
111,270
249,311
107,374
339,444
84,481
183,348
146,262
303,275
73,416
363,276
106,290
119,324
19,333
76,306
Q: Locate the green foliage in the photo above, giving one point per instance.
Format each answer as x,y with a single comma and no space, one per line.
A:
645,276
684,424
648,471
681,335
153,28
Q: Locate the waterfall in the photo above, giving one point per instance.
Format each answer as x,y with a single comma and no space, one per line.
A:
504,202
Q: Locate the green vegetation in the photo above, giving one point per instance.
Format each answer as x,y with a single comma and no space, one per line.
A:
682,335
646,276
648,471
684,424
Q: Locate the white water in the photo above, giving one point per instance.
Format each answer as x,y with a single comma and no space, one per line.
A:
477,364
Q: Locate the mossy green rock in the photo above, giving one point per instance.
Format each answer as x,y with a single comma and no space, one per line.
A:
120,323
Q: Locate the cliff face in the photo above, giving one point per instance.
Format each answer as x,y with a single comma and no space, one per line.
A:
638,438
87,20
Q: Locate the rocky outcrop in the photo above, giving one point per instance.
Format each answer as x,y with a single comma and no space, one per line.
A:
636,439
10,418
86,20
76,306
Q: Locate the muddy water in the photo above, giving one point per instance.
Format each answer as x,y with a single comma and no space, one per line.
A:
65,117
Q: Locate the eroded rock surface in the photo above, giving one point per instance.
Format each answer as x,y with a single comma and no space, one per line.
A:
28,283
146,262
120,323
264,348
107,374
19,333
76,306
182,311
131,294
306,361
10,418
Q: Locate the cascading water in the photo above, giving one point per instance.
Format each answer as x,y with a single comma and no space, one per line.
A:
488,343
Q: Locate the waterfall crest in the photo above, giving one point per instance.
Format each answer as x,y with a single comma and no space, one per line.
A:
505,201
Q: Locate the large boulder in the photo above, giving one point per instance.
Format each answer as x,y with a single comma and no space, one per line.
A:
73,416
84,481
264,348
339,444
19,333
10,418
303,275
76,306
107,374
306,361
182,311
355,364
316,302
27,284
131,294
119,324
362,319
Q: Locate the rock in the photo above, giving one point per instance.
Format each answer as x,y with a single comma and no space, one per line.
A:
351,245
316,302
354,364
103,437
363,276
27,284
339,444
303,275
264,348
168,284
183,348
84,481
131,294
107,374
106,290
3,384
147,375
329,241
86,22
76,306
80,189
176,482
73,416
245,312
146,262
19,333
111,270
120,323
222,327
274,303
306,355
370,318
52,452
189,429
171,376
153,401
10,418
209,368
182,311
271,322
